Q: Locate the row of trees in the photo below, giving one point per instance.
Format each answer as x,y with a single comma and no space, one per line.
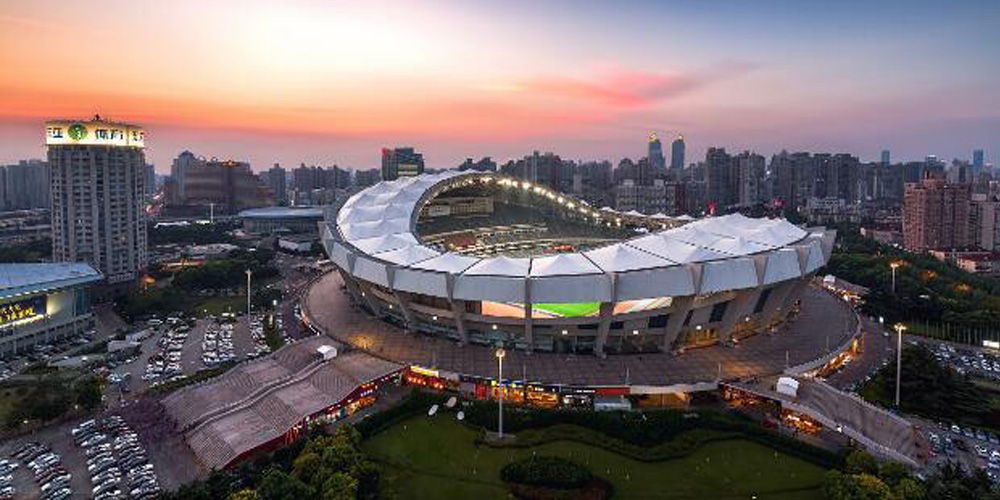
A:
927,290
864,478
228,272
51,398
324,467
933,390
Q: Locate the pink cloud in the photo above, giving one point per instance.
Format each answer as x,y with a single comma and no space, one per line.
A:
630,89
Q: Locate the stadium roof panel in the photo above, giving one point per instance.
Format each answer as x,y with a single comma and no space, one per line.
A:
564,264
377,226
621,258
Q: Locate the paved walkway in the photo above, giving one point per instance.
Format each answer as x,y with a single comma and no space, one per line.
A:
824,323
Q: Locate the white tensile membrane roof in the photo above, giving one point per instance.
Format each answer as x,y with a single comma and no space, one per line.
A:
378,222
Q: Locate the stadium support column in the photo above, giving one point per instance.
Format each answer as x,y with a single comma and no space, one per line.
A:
457,309
607,312
738,310
357,292
458,312
529,334
795,293
776,302
680,307
403,299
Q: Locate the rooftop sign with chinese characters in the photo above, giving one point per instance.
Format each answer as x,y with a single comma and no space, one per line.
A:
93,133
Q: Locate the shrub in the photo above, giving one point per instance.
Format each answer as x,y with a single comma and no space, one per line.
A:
547,471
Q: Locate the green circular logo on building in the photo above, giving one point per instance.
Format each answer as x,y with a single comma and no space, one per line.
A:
77,131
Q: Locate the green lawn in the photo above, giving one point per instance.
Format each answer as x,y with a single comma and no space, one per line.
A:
219,305
435,457
570,310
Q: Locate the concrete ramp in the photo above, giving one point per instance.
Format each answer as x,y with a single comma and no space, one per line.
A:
882,433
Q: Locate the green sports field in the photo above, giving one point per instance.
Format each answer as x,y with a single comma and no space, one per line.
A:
436,457
572,310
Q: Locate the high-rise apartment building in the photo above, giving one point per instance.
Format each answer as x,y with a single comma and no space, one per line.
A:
984,222
276,179
721,179
885,157
401,162
227,185
935,215
978,162
24,185
97,184
677,152
655,155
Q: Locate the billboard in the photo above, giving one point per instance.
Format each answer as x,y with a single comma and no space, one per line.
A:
93,133
14,312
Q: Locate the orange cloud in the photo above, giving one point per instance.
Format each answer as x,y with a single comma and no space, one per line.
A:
629,89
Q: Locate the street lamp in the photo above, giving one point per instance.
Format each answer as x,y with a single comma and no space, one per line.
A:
500,354
900,328
894,265
248,291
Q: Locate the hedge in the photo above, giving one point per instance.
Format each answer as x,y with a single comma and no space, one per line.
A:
548,472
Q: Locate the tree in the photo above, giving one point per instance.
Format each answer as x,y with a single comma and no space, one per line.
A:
861,462
278,485
909,489
840,486
340,486
88,393
244,494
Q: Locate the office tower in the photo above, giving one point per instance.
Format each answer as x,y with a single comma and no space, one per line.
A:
277,181
656,159
977,162
150,181
98,181
677,152
24,185
365,178
935,215
401,162
885,157
721,179
750,169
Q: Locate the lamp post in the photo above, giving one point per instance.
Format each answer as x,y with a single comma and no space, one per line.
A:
248,292
900,328
500,354
894,266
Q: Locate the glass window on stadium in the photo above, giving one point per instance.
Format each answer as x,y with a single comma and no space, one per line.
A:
542,311
639,305
659,321
636,342
718,312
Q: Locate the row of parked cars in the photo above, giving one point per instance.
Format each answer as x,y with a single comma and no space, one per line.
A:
969,361
116,460
217,346
7,468
46,467
257,333
167,362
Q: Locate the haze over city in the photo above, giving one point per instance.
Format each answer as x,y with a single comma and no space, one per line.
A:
333,82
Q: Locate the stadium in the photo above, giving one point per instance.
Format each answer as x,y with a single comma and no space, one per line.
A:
485,259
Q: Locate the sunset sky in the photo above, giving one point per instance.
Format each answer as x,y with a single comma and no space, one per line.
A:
327,82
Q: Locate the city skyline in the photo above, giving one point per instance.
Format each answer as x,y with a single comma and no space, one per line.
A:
325,84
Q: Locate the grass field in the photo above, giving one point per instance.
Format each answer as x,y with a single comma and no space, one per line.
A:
572,310
435,457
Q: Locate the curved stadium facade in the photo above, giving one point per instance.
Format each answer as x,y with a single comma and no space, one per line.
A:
486,259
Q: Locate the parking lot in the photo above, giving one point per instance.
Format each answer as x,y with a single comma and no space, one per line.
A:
179,348
101,459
